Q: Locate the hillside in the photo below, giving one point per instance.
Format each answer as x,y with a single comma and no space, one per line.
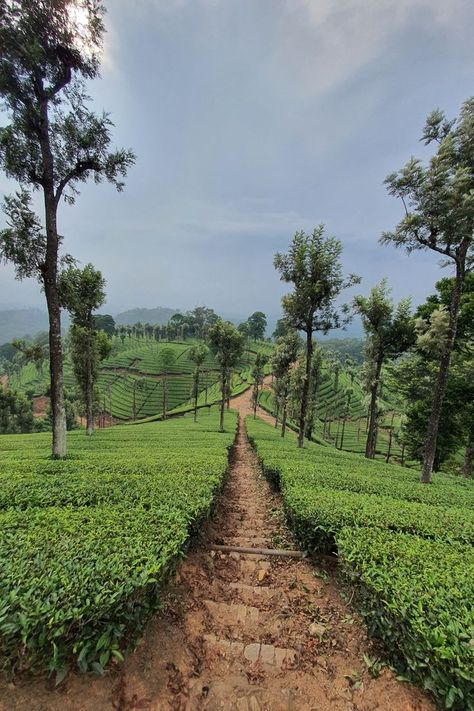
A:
159,315
17,323
132,379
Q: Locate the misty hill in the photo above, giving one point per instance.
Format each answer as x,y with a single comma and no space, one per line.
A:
159,315
17,323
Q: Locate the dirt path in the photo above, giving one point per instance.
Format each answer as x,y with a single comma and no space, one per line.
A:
240,632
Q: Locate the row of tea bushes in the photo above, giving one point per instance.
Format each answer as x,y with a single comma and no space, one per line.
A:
406,546
86,544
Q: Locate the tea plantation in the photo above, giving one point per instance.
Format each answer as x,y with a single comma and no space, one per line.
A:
406,547
86,543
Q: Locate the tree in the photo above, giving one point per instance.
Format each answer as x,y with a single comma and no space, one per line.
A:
389,331
81,292
52,142
168,359
227,345
197,354
439,217
312,264
256,325
258,373
16,413
284,357
106,323
282,329
32,353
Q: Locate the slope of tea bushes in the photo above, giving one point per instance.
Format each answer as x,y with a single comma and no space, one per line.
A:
86,544
406,546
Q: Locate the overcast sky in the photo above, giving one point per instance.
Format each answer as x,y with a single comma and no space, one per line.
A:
252,119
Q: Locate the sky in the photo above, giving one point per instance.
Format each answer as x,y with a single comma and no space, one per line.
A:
252,119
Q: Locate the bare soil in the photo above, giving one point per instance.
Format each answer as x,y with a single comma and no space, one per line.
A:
240,632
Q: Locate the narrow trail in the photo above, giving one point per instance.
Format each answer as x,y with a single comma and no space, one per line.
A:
240,632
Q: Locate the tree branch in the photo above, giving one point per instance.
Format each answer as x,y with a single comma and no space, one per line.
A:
81,167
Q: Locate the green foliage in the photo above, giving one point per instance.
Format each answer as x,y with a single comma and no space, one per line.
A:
103,530
416,595
407,547
16,414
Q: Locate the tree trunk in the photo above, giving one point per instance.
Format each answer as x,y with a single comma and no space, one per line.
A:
342,432
90,391
283,420
306,384
165,396
223,398
50,281
277,411
196,393
468,457
372,431
337,432
390,438
431,438
134,401
56,371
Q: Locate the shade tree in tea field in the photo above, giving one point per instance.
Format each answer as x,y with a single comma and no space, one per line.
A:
82,291
313,266
227,345
51,142
389,330
197,354
439,217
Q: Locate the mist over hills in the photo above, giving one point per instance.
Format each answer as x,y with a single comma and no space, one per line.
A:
21,322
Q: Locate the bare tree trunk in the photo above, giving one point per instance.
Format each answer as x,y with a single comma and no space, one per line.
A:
283,420
196,393
342,432
90,391
431,438
372,431
50,281
223,398
306,384
390,438
337,432
468,457
277,411
134,401
402,462
165,396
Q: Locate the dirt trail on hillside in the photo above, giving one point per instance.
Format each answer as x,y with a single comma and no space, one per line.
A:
239,632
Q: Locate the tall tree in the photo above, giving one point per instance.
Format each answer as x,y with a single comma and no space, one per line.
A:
389,331
258,373
227,344
439,216
256,324
82,291
284,357
197,355
52,142
312,264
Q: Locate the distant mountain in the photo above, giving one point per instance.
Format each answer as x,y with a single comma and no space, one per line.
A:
17,323
159,315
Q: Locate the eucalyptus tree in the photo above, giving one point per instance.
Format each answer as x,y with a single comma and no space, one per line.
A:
258,373
82,291
197,354
50,142
256,325
439,217
389,331
227,345
313,265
